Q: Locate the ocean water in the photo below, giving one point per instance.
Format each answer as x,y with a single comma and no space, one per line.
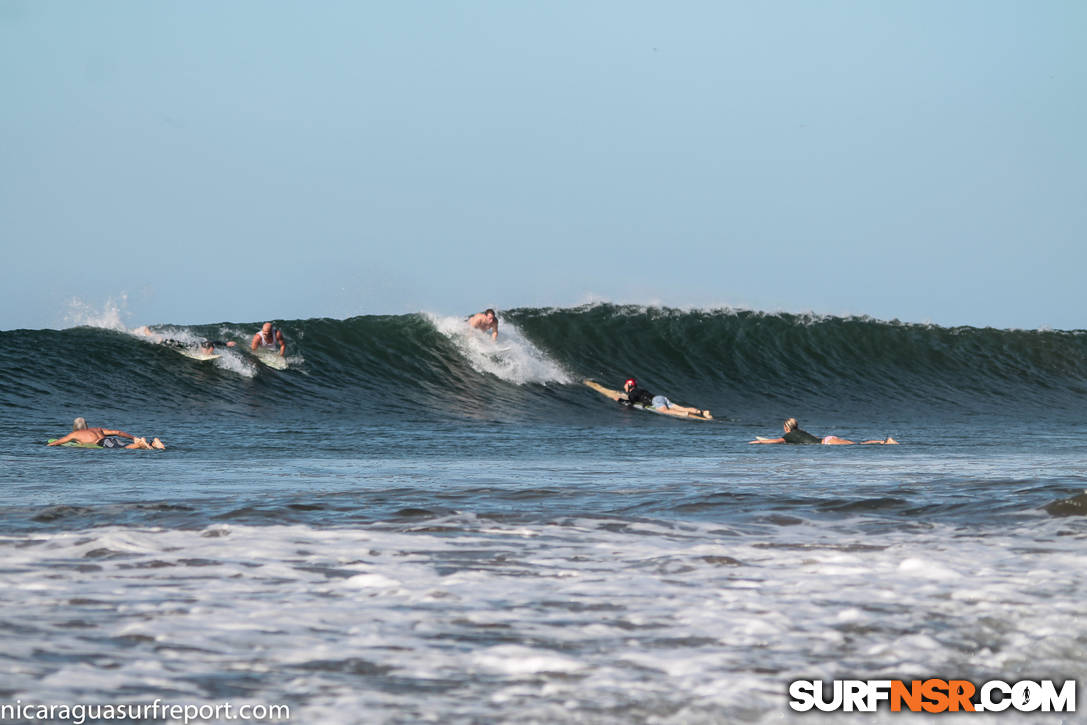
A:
413,524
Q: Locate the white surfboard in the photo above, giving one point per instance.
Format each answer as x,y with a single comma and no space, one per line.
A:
197,355
272,359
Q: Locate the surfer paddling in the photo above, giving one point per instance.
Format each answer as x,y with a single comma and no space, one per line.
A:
795,434
203,346
207,347
635,395
105,437
161,339
269,338
486,320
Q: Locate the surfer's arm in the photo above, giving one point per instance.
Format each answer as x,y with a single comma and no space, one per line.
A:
118,433
60,441
282,343
256,341
767,440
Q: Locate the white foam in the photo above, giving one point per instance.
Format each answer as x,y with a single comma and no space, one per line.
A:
235,363
648,623
229,357
245,337
926,569
370,581
512,357
516,660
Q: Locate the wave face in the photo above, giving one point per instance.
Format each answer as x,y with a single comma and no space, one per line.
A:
420,366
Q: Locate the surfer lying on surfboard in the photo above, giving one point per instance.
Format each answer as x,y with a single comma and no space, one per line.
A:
207,347
636,395
795,434
203,347
104,437
645,400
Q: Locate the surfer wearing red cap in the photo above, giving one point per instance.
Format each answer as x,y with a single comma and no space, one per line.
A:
640,396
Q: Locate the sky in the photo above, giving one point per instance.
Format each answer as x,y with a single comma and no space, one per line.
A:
198,162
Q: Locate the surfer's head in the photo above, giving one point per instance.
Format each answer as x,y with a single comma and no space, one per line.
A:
266,329
791,424
629,384
490,313
79,424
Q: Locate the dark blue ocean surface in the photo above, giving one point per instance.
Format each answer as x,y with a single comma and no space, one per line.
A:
411,522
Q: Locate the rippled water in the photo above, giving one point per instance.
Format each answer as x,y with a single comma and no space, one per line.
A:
413,523
641,570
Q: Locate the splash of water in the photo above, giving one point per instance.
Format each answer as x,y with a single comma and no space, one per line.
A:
512,357
110,316
229,358
243,338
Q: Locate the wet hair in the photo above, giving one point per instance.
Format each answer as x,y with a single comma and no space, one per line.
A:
791,424
491,312
79,424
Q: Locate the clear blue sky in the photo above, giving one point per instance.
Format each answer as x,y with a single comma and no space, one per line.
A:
920,160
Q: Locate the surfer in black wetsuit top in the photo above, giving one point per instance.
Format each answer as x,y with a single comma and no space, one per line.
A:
204,347
207,347
635,395
797,435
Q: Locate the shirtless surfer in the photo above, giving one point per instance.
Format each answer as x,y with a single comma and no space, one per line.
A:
269,338
484,321
795,434
105,437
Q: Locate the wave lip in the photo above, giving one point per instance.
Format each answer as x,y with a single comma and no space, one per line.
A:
748,365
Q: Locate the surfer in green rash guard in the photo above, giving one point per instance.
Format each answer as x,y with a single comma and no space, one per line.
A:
795,434
269,338
104,437
486,320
